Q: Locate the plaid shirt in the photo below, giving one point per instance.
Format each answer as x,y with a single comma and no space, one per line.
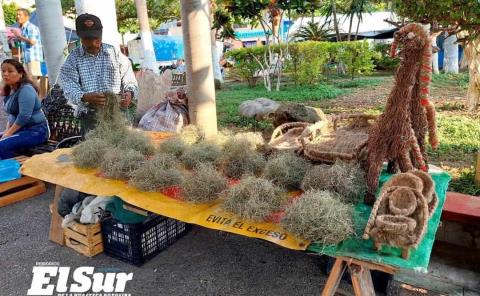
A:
31,52
84,73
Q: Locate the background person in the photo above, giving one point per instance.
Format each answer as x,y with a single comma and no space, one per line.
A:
30,43
27,125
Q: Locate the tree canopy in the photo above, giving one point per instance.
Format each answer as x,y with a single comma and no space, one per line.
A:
159,11
456,14
10,13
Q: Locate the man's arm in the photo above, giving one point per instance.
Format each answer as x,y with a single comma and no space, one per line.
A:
129,82
70,81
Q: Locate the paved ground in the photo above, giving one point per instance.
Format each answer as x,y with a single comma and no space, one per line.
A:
204,262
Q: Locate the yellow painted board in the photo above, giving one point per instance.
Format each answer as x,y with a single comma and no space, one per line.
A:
57,168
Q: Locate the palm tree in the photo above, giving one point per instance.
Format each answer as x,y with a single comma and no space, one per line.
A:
149,61
311,31
52,32
198,57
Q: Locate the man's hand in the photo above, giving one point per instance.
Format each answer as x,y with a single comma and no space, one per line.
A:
17,33
97,99
126,99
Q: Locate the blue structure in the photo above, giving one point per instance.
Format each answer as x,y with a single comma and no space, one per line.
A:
168,48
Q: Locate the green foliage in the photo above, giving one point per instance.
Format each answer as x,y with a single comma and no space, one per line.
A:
230,98
311,32
450,79
457,13
159,11
382,59
357,56
10,13
358,83
308,60
246,63
465,183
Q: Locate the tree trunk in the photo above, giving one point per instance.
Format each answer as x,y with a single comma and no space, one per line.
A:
52,32
350,28
358,27
217,71
433,37
335,20
149,61
198,59
5,50
472,54
106,11
450,62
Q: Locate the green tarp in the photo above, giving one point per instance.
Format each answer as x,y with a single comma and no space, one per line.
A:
363,249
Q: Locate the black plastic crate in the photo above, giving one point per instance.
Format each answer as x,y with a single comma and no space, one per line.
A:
138,243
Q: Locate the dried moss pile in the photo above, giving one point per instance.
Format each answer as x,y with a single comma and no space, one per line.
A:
286,170
157,173
319,216
346,179
254,199
238,159
90,153
137,141
204,184
202,152
174,146
120,164
191,134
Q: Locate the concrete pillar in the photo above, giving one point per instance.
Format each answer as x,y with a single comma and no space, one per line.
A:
198,59
106,11
5,50
450,61
149,61
52,33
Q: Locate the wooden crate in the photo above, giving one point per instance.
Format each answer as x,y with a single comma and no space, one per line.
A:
20,189
86,239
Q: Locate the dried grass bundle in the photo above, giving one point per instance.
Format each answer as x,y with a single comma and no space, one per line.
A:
203,152
174,146
204,184
286,170
119,163
239,159
90,153
319,216
157,173
191,134
255,140
254,199
107,133
137,141
345,178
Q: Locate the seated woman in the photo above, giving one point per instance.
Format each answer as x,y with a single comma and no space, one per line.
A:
27,125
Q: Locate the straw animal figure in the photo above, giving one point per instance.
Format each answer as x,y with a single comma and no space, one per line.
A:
399,134
399,217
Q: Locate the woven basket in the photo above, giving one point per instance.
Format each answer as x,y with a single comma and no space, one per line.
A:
345,140
287,136
395,224
402,201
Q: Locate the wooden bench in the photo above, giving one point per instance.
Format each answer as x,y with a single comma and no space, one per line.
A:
461,208
20,189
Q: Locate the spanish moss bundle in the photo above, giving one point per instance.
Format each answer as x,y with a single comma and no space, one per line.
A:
110,113
254,199
286,170
119,164
319,216
90,153
107,133
204,184
157,173
346,179
239,159
174,146
203,152
255,140
137,141
191,134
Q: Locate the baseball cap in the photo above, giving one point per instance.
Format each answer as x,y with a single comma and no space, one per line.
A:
88,26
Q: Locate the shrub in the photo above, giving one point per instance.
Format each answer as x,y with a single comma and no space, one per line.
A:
382,59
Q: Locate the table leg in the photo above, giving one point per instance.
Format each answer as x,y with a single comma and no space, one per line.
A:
334,278
56,230
361,280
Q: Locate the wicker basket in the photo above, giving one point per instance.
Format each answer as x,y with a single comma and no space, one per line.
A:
345,140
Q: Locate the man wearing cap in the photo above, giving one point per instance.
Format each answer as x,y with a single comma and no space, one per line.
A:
30,43
95,68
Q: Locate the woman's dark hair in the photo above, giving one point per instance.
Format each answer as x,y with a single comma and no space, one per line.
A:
25,77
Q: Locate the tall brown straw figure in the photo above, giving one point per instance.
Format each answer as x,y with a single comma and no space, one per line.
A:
399,135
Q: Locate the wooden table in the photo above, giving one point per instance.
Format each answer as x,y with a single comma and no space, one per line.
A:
359,272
